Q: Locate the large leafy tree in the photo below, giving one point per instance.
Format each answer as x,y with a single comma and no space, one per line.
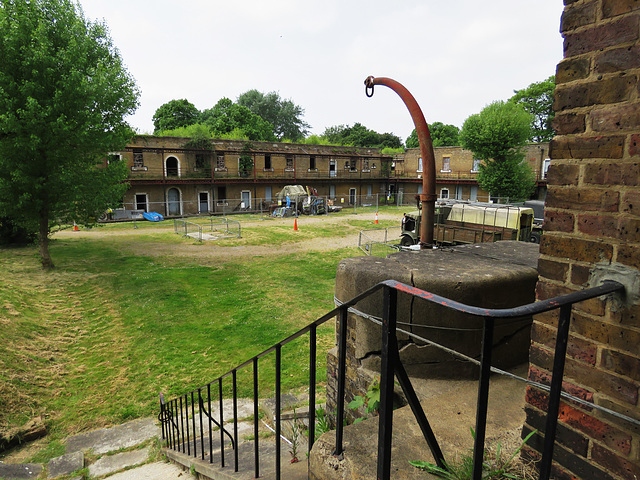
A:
175,114
442,135
496,136
226,117
360,136
537,99
284,115
63,95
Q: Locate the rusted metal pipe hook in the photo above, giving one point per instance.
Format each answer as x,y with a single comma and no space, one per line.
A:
428,196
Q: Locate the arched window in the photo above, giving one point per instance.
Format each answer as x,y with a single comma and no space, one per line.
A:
172,167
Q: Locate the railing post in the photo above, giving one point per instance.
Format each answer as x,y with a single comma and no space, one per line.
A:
312,386
174,425
278,406
385,409
162,415
553,407
182,427
186,411
200,408
256,457
235,420
483,397
210,429
221,406
193,423
342,368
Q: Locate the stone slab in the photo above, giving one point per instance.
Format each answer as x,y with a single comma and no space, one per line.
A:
154,471
115,438
11,471
65,465
117,462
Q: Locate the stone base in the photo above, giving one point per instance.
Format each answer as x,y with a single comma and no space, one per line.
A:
491,275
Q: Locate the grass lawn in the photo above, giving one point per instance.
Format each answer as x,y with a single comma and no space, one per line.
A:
125,316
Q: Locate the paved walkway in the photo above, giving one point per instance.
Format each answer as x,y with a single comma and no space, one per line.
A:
138,461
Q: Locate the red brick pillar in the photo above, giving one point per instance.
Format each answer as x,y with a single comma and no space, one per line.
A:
593,217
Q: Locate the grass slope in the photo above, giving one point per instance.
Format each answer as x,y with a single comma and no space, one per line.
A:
95,341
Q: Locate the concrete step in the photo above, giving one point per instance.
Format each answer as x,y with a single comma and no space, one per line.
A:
113,463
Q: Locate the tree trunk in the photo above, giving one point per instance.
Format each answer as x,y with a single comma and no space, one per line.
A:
43,241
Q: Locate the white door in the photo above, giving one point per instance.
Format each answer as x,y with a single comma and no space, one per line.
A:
246,199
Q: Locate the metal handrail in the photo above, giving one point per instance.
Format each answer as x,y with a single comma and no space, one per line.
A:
172,418
181,224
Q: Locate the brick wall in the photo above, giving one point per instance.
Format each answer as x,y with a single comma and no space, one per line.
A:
593,217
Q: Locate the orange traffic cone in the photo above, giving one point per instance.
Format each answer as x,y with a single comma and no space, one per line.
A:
376,218
295,225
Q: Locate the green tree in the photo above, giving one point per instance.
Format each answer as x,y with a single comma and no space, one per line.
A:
64,92
360,136
442,135
537,99
226,117
175,114
284,115
496,136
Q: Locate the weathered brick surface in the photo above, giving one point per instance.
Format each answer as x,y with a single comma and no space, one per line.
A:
624,30
579,16
593,217
616,118
584,199
570,439
580,274
579,466
628,255
618,60
629,230
556,221
612,8
552,269
604,383
593,306
615,464
598,225
591,147
572,69
621,363
577,249
546,290
601,92
634,145
619,337
631,203
611,436
564,174
627,316
544,376
569,123
629,411
613,173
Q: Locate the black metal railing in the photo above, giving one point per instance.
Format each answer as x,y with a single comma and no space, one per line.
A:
174,418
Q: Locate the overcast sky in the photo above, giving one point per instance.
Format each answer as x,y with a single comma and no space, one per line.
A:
455,56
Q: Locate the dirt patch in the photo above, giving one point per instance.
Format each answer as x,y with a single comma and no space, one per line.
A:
216,250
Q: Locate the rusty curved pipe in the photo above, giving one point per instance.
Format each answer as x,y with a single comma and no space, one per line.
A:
428,196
